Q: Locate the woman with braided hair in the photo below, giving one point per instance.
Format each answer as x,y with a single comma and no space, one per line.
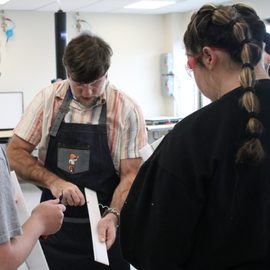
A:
202,200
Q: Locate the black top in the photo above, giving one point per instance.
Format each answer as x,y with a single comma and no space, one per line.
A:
191,206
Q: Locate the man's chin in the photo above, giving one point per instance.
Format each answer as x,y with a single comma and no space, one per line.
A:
88,103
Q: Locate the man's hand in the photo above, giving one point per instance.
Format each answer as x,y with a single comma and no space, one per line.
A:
107,229
107,225
71,193
29,169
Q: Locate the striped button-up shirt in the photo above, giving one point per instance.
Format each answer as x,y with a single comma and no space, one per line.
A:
126,129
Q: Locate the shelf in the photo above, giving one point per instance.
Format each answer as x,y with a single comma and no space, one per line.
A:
6,133
160,127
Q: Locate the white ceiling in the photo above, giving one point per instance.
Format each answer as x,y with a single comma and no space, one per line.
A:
101,6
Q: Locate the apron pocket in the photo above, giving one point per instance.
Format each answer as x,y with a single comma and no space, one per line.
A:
73,159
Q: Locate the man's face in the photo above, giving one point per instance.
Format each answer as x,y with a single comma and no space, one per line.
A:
88,94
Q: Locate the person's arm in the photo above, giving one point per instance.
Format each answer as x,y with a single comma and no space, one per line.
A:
19,156
107,225
45,219
159,219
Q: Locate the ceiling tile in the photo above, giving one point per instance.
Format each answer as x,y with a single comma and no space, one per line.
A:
106,6
25,4
102,6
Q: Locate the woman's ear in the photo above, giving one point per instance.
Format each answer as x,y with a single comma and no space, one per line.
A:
210,58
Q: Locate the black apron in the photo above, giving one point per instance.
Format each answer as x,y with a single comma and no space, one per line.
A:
79,153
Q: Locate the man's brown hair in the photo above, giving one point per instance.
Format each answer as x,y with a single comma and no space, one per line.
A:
87,58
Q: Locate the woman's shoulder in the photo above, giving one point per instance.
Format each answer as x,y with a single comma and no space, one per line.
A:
219,109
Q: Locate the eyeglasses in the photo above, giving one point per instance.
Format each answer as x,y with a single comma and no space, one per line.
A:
94,84
192,62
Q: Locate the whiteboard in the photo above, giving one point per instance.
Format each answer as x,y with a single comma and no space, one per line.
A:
11,109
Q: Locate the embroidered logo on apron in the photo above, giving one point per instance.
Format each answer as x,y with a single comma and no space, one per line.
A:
73,160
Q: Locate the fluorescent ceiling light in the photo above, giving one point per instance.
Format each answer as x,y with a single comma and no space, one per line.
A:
149,4
3,1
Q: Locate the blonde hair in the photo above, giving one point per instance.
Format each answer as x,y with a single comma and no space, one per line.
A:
239,31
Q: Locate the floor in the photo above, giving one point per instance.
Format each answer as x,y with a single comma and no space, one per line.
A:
32,196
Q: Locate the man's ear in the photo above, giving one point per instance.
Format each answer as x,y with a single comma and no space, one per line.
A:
210,58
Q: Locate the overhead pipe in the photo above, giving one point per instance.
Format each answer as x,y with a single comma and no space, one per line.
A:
60,42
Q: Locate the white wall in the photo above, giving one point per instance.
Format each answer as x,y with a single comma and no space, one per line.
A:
28,60
137,42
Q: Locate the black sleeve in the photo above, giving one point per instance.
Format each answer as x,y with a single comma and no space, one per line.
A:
158,219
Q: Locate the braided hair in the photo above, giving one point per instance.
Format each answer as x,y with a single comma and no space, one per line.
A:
238,30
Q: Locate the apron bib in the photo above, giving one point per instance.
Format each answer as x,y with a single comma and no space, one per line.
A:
79,153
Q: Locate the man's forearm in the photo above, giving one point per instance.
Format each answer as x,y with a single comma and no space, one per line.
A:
120,195
129,170
28,168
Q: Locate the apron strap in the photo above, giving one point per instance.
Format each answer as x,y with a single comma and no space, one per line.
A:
103,115
64,108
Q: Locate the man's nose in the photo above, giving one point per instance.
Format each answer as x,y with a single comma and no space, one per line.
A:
87,90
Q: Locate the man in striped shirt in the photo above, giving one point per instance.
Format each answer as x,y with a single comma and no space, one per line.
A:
89,134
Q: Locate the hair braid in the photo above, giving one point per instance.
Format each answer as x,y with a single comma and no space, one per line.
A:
239,31
251,54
